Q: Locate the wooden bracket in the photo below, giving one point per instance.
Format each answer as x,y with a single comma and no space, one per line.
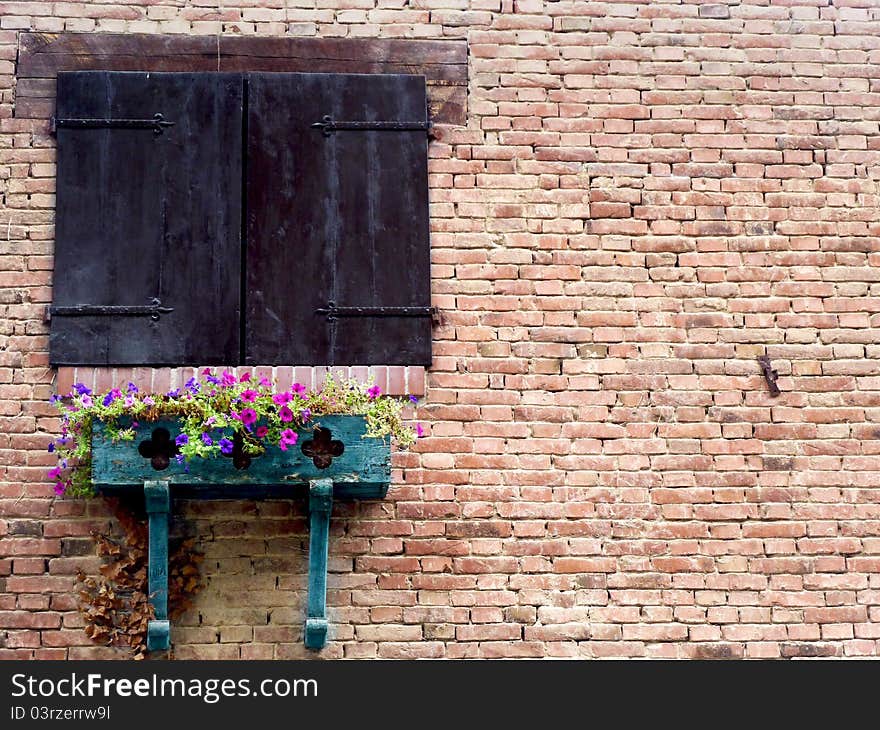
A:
320,507
157,497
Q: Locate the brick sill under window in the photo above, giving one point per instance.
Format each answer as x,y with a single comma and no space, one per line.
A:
393,379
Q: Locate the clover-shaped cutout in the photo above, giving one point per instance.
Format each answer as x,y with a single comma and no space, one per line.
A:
240,458
322,448
159,449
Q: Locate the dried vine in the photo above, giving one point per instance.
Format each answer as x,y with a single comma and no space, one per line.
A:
116,604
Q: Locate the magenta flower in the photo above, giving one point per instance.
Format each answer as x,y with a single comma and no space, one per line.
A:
285,414
279,399
298,388
228,379
246,378
288,438
60,487
420,431
54,473
374,392
248,416
264,381
262,431
249,395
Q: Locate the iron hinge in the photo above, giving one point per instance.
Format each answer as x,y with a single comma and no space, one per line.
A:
333,312
328,126
154,310
157,124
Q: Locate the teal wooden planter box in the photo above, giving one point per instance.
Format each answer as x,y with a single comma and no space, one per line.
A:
333,458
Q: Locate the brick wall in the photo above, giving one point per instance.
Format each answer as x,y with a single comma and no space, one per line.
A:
647,196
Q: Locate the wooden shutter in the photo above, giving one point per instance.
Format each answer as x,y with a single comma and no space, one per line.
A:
337,213
146,212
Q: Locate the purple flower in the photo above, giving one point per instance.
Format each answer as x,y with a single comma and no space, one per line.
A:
226,446
54,398
129,402
211,379
60,488
207,440
179,457
148,401
285,414
111,396
81,389
192,385
86,400
305,414
374,392
420,431
413,399
248,416
182,440
249,396
132,388
51,447
288,438
173,393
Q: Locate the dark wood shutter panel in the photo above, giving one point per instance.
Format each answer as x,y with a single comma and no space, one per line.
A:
144,215
336,216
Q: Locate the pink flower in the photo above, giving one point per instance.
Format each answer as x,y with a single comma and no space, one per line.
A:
261,432
228,379
246,378
298,388
374,392
249,395
248,416
285,414
288,438
281,398
86,401
264,382
420,431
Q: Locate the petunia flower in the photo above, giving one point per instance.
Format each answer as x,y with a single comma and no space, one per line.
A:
148,401
261,432
207,440
182,440
305,414
51,447
226,446
285,414
192,385
82,389
298,388
246,378
54,473
248,416
420,431
228,379
86,400
374,392
264,382
249,395
132,388
288,438
60,488
279,399
413,399
111,396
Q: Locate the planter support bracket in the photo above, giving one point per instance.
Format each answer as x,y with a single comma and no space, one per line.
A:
320,507
157,498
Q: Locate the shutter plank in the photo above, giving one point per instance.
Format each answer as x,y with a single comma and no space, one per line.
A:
141,215
351,221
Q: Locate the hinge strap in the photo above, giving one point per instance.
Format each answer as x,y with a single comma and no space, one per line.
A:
328,126
157,123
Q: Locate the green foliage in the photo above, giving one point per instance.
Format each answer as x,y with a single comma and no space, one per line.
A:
212,410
